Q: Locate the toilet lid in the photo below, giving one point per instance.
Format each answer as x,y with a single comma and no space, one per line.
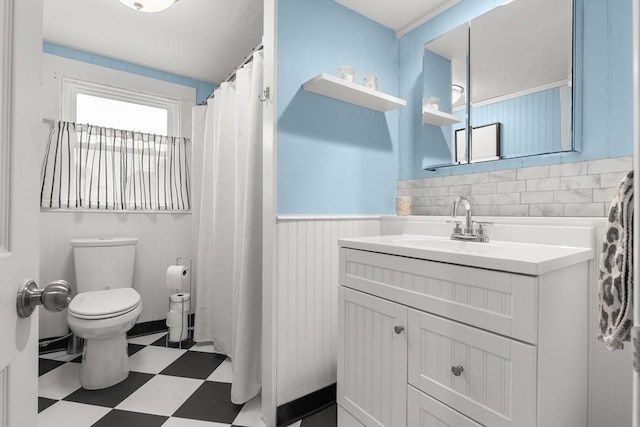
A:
104,304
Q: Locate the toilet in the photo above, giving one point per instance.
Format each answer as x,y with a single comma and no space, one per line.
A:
105,307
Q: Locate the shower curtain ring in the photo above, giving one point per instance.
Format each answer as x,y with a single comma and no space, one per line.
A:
266,93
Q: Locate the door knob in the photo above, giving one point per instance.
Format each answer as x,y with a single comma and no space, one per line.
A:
55,297
398,329
457,370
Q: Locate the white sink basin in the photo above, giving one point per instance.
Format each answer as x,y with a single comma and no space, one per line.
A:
446,244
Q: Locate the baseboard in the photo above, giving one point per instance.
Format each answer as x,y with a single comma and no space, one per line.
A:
142,328
305,406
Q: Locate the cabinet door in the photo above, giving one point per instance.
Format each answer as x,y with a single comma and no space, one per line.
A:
489,378
424,411
372,359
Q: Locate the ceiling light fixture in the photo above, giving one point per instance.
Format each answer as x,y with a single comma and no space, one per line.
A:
456,93
148,5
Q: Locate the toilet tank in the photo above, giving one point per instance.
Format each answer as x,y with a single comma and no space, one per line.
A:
104,262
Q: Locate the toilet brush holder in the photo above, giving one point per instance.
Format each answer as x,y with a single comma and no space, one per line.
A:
75,344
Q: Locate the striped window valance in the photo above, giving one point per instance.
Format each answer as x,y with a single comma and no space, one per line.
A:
92,167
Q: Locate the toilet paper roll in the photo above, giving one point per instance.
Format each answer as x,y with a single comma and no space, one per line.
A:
177,276
178,326
179,302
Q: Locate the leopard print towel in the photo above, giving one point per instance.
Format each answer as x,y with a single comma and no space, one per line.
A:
616,269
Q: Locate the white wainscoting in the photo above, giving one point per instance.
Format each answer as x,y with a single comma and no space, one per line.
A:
307,299
162,238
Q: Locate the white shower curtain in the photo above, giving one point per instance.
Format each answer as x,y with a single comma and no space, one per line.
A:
227,135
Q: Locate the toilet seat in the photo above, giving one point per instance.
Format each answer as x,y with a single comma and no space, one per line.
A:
104,304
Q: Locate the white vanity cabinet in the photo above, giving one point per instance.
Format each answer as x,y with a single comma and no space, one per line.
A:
424,343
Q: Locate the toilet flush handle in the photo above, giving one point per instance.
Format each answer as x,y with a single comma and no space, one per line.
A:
55,297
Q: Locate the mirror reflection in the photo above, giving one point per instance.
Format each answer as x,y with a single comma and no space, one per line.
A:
518,84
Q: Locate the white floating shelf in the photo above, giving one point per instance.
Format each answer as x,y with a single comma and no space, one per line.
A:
340,89
439,118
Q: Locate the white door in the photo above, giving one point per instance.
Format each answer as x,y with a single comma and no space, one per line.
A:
372,359
20,125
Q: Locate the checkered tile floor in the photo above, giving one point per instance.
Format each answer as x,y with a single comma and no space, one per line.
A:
167,387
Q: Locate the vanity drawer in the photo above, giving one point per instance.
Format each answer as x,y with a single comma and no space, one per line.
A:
501,302
424,411
488,366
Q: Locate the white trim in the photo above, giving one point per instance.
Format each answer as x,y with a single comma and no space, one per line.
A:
285,218
269,210
6,13
412,25
529,91
72,87
4,397
55,68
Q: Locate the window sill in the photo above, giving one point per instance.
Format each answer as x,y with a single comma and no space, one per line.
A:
116,211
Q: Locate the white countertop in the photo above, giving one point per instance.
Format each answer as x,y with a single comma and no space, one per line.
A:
515,257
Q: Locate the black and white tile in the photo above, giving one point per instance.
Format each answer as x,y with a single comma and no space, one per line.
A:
168,387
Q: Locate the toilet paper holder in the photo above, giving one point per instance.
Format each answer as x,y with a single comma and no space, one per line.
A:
189,326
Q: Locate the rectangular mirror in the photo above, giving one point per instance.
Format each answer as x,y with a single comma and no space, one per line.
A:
517,76
444,66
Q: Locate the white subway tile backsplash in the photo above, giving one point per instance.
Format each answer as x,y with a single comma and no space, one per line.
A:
483,188
513,210
505,199
440,210
567,189
546,209
511,186
618,164
542,184
584,209
438,191
433,182
503,175
568,169
533,172
578,182
573,196
460,190
611,179
453,180
604,194
537,197
476,178
486,210
479,199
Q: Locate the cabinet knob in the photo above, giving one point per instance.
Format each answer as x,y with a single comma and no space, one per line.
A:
457,370
398,329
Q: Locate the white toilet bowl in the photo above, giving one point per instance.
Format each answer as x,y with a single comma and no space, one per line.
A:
103,318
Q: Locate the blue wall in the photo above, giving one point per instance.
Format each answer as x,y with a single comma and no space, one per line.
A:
203,89
602,82
334,157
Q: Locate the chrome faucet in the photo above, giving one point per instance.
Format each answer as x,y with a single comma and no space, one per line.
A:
468,233
467,207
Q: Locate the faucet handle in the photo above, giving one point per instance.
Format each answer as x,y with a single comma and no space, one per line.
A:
457,226
480,231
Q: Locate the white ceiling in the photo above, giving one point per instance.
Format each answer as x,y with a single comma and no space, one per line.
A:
399,15
201,39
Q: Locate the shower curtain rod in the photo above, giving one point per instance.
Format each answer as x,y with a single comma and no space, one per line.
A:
231,77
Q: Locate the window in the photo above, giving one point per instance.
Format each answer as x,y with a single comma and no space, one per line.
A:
101,105
114,151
